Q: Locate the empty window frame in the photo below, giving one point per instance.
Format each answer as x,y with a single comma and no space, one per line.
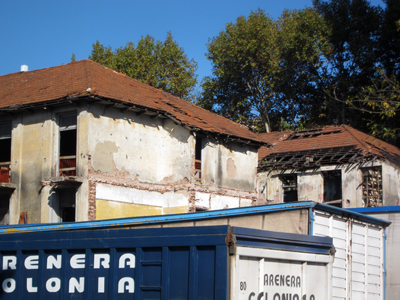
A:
197,159
67,151
4,209
5,151
333,187
289,187
372,186
67,205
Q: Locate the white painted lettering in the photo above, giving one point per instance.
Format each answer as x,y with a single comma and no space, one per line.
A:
54,262
75,285
127,259
53,285
9,262
32,262
9,285
102,259
100,284
29,286
126,283
78,261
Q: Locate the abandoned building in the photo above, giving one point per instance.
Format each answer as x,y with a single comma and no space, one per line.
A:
336,165
82,142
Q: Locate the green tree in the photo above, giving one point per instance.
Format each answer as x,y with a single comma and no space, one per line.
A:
354,37
364,67
265,68
162,65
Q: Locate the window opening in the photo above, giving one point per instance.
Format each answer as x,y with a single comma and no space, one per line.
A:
197,159
5,151
372,186
4,209
333,187
67,205
67,125
289,186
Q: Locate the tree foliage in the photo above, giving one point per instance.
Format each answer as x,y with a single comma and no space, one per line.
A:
265,68
351,65
162,65
364,67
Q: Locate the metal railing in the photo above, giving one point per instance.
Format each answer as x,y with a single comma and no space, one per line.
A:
5,171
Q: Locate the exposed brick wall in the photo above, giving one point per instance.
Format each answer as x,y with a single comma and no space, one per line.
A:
92,201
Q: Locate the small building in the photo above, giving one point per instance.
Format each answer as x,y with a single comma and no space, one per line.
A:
335,165
82,142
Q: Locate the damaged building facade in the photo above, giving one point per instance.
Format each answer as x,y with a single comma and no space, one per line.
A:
82,142
336,165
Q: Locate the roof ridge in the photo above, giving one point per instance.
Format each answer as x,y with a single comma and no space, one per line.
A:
368,148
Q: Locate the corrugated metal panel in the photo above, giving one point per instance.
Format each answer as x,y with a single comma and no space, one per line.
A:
357,271
392,264
375,272
329,225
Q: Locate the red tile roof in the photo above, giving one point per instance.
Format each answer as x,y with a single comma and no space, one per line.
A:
327,138
80,78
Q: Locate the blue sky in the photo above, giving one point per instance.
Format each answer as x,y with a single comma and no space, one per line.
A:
45,33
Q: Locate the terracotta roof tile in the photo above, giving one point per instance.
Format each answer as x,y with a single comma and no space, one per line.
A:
326,138
88,78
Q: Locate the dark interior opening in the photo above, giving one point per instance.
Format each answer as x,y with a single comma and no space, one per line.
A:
289,186
332,185
67,205
68,142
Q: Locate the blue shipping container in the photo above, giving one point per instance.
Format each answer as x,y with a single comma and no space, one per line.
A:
161,263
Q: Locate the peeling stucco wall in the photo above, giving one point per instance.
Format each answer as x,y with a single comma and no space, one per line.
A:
150,149
390,183
310,186
229,166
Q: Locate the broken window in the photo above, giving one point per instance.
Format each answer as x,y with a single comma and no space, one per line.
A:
372,186
5,151
197,159
67,205
289,187
333,187
67,125
4,209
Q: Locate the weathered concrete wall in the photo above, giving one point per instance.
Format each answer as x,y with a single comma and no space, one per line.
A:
143,202
232,166
30,162
152,150
310,186
136,161
211,201
390,185
352,185
274,189
34,163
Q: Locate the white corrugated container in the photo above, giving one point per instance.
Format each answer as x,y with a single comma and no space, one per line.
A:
358,267
392,263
